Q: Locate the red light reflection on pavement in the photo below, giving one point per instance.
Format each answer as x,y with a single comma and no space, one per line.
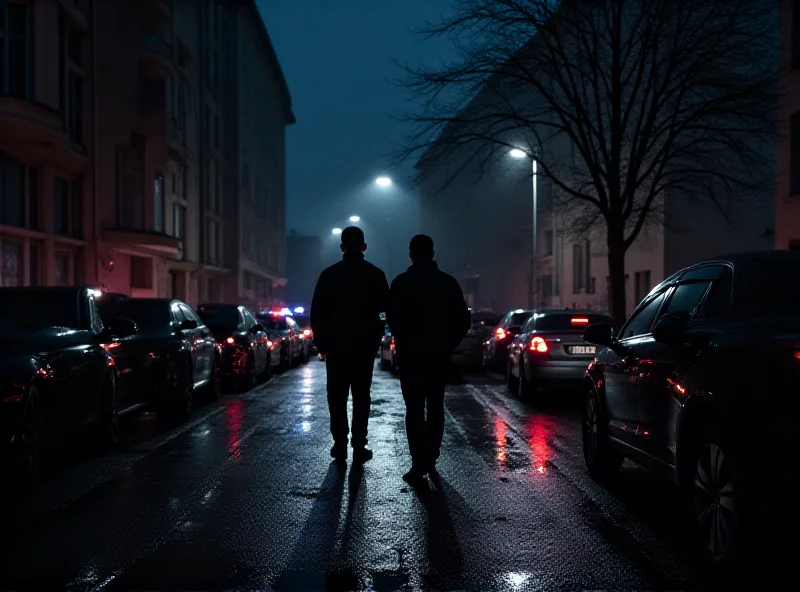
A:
500,430
539,431
233,417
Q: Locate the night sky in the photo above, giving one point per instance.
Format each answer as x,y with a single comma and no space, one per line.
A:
338,61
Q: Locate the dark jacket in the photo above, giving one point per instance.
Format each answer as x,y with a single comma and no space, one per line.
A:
427,312
346,308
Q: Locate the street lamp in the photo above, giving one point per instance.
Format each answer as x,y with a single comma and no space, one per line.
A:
355,219
517,153
383,181
337,231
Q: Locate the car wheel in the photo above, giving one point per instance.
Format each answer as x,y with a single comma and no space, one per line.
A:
26,452
600,460
511,381
714,496
108,433
214,387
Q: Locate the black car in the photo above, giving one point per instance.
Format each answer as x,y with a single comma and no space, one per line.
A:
495,348
701,384
172,356
55,374
388,354
304,322
550,350
244,344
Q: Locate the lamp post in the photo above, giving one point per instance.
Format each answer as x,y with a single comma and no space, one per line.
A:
355,219
517,153
336,231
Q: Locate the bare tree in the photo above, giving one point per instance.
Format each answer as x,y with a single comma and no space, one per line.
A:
625,104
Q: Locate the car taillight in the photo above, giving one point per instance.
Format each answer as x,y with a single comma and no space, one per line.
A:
112,345
579,321
539,345
307,332
270,344
500,333
230,341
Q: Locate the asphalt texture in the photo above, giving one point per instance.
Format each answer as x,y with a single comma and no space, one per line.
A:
245,497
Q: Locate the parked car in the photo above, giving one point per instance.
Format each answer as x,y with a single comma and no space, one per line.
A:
55,374
495,347
172,357
388,354
283,330
701,385
304,322
245,351
469,353
550,350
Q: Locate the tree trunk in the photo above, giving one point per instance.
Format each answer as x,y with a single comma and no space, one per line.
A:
616,276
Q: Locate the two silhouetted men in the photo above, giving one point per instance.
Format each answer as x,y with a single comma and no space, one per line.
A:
345,319
428,316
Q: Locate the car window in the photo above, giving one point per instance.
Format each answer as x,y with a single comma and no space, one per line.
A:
189,314
641,322
291,324
686,297
177,314
718,301
249,319
94,314
516,319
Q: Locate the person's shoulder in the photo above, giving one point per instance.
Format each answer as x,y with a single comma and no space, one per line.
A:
401,278
374,269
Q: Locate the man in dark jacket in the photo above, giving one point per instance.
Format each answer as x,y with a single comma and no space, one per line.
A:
345,319
428,318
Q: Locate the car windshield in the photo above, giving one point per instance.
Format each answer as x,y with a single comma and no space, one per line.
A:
150,315
228,318
483,319
518,319
36,309
569,321
276,323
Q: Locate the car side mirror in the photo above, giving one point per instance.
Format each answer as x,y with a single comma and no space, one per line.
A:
122,327
256,328
670,329
600,334
187,325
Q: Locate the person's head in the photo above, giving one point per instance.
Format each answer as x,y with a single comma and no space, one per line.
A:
420,249
353,240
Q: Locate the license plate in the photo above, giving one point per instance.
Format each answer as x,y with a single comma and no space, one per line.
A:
586,350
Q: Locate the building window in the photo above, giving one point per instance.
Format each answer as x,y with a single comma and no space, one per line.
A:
11,270
578,269
548,243
642,285
178,220
71,77
16,49
67,214
64,267
158,203
130,184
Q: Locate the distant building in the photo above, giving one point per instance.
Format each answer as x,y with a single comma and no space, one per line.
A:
303,266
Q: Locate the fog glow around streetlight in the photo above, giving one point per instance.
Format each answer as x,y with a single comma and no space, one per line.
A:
337,231
355,218
383,181
517,153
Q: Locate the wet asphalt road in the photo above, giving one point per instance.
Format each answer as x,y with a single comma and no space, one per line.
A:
244,497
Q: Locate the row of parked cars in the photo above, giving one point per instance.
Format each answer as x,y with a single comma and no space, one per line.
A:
700,384
73,357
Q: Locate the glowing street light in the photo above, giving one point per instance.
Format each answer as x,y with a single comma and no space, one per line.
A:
355,218
383,181
337,231
517,153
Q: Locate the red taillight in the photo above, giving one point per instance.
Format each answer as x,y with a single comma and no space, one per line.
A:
230,341
539,345
580,321
500,333
112,345
270,344
307,332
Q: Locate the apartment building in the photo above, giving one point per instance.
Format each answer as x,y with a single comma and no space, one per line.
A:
47,143
787,198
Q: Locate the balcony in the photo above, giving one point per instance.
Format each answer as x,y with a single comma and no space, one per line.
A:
157,60
154,242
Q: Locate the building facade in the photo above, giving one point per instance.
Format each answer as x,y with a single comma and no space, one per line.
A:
47,143
787,198
122,130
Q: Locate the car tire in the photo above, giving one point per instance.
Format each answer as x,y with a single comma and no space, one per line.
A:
214,386
526,390
108,432
26,449
511,380
716,505
601,461
182,394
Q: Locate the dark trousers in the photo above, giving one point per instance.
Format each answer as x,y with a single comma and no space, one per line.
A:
423,380
346,372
